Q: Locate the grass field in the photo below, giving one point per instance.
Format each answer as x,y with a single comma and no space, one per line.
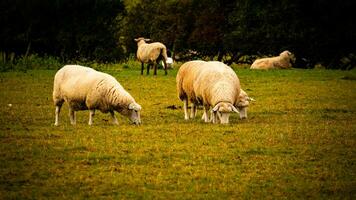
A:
299,141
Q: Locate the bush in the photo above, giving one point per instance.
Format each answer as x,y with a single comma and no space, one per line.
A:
8,61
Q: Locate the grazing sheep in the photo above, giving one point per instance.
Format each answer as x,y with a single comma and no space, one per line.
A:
151,53
283,61
84,88
211,84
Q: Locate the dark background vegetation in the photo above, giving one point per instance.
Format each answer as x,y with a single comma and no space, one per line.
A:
316,31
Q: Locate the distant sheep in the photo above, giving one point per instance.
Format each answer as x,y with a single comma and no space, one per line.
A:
151,54
283,61
84,88
211,84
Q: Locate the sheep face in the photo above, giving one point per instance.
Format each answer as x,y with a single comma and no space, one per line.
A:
243,112
223,110
243,104
289,55
132,112
242,108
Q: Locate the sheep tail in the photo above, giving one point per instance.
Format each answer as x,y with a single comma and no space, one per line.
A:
181,94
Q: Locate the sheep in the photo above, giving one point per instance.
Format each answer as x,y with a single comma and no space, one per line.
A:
285,60
151,53
211,84
84,88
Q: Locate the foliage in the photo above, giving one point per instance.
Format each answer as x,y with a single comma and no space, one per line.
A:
233,29
298,143
64,28
24,63
318,32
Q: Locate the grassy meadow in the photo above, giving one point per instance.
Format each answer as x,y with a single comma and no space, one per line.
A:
299,141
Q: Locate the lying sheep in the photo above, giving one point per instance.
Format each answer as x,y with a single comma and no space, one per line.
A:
84,88
151,54
285,60
211,84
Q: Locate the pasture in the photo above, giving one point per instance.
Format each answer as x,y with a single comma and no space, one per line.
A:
298,142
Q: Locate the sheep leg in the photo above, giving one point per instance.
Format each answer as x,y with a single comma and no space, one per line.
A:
155,68
148,69
203,116
185,107
214,118
193,112
58,110
114,119
206,114
72,116
91,115
142,67
165,66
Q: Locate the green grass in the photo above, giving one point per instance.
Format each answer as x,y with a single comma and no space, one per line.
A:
298,142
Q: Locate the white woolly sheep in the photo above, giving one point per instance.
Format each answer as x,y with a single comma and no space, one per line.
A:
84,88
211,84
283,61
151,54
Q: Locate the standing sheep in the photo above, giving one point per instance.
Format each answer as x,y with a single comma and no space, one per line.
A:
151,54
211,84
84,88
283,61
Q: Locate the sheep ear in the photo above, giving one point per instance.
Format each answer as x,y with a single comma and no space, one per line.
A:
147,40
134,106
234,109
216,108
136,39
131,106
250,99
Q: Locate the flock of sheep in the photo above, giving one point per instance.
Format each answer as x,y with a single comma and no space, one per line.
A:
213,85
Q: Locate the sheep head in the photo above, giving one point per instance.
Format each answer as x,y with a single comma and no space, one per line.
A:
222,111
134,113
243,103
141,40
288,54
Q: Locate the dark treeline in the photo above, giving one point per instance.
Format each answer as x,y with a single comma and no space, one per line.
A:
316,31
68,29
